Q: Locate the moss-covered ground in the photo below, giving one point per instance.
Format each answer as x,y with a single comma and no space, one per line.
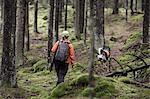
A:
35,81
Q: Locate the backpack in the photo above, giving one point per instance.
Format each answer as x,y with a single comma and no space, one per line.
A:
62,52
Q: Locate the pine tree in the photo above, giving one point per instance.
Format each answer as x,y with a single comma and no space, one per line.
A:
7,69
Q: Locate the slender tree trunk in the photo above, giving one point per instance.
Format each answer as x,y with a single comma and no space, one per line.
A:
7,69
79,18
142,4
66,14
2,14
61,9
36,16
146,22
50,28
57,20
116,7
85,21
91,62
20,32
77,26
14,9
99,34
27,36
126,7
144,75
136,5
131,7
82,4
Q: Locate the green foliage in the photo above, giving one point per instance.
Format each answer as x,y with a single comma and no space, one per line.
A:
39,66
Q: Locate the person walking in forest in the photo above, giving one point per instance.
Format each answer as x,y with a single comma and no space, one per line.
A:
63,56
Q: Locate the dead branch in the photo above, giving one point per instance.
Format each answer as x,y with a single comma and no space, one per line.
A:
125,72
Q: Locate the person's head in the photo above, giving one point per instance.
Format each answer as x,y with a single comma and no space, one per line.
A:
65,34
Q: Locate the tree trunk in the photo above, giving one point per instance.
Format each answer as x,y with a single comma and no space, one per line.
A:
20,32
2,14
27,36
66,14
131,7
79,18
57,3
142,4
146,22
36,16
126,7
50,28
91,61
7,69
61,9
85,21
99,34
116,7
77,27
136,5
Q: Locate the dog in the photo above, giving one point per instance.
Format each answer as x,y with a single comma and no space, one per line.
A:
103,54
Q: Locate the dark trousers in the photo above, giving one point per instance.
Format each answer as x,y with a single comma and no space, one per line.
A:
61,70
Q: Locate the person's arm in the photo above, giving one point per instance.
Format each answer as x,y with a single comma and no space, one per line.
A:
72,55
54,48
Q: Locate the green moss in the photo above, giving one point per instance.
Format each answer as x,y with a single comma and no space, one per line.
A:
40,66
39,46
124,79
78,67
13,93
31,60
133,38
81,80
86,92
60,90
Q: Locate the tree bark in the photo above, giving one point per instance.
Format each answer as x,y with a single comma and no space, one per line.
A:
85,21
50,28
126,7
79,18
142,4
99,33
66,14
2,14
131,7
116,7
20,32
61,9
27,35
91,62
14,9
36,16
146,22
7,69
57,3
136,5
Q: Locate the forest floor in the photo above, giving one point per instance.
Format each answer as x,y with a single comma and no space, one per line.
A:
36,82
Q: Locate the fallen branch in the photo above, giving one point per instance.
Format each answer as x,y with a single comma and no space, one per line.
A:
125,72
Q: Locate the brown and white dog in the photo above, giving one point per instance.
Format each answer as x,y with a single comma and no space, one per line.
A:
103,54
